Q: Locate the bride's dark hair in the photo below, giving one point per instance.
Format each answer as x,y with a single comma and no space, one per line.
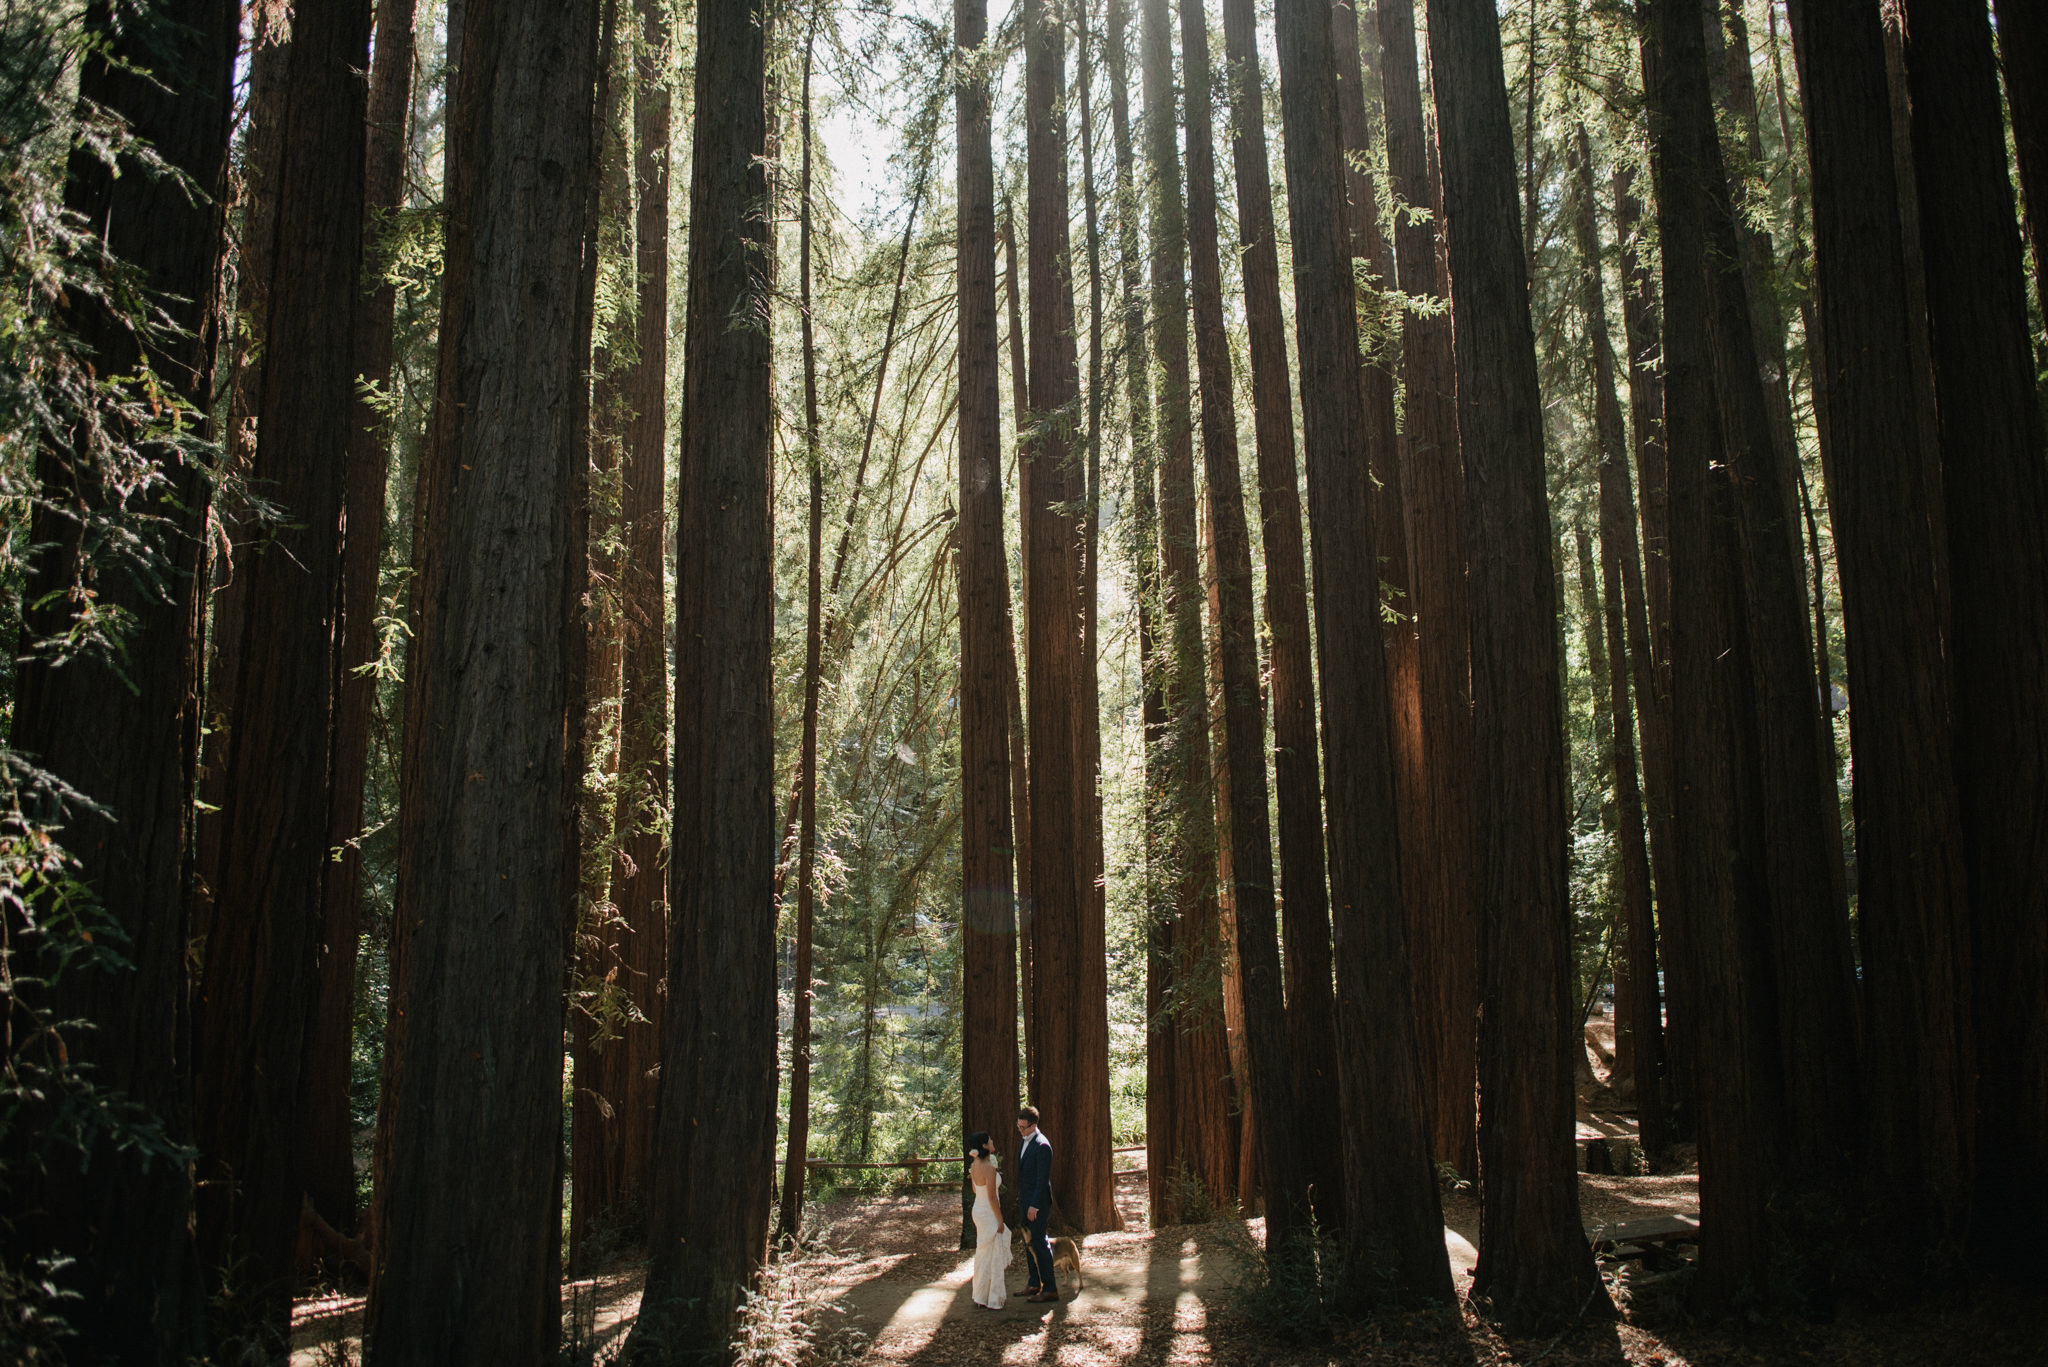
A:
977,1144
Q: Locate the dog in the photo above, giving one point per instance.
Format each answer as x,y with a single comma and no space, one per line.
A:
1066,1262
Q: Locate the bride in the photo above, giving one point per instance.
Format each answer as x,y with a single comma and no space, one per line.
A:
991,1238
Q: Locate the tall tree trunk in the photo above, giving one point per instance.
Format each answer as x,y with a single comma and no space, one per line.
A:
1996,494
597,1052
790,1216
1818,1074
1707,683
424,531
715,1109
1091,534
1913,900
1068,944
1020,785
1394,1219
1203,1150
255,183
1161,1136
1733,83
258,993
1311,1009
639,882
125,738
1255,953
469,1225
1639,1012
327,1136
988,1084
715,1133
1443,935
1535,1263
1388,497
1646,586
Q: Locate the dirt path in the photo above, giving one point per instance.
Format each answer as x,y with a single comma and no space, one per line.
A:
893,1290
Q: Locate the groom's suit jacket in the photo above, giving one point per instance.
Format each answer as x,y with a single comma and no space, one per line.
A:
1034,1172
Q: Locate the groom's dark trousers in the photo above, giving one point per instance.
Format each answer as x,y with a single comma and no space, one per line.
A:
1042,1273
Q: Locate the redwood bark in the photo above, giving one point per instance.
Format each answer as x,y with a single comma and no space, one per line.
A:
1161,1135
1535,1264
715,1112
1708,680
1020,785
328,1139
1639,1018
1807,990
1091,532
124,738
1068,944
790,1215
1304,909
1388,498
1260,1048
1203,1150
1443,934
1733,83
1394,1220
988,902
639,880
1646,588
1996,494
597,1054
257,996
1913,902
469,1227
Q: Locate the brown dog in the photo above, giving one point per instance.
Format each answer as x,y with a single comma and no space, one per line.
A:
1066,1262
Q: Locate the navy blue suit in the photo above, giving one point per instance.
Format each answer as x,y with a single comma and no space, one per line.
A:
1034,1189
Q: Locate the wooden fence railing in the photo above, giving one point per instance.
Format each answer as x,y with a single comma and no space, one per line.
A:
916,1166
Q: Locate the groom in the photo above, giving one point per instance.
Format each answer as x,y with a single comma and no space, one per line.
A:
1034,1194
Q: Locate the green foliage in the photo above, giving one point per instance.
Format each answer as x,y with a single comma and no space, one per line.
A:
33,1302
87,446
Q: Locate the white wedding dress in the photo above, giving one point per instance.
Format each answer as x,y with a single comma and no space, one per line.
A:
991,1252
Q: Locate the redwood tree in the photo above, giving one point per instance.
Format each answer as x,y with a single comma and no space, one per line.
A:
715,1133
1203,1146
1535,1265
1995,490
1802,916
1264,1026
1708,680
1913,902
1068,939
988,905
639,881
259,985
1297,781
1639,1021
1443,943
1394,1219
328,1135
790,1213
469,1230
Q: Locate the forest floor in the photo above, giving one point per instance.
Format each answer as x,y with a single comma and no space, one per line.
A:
887,1286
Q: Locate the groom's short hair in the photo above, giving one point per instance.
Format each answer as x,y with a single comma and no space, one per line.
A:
1029,1113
